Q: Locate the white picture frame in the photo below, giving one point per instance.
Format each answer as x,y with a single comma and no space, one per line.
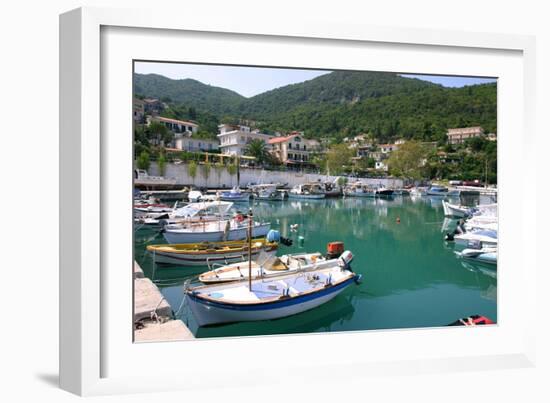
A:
95,340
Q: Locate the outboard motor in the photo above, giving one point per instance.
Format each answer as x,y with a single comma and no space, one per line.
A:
345,259
449,237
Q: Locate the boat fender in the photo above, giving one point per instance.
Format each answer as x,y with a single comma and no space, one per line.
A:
358,279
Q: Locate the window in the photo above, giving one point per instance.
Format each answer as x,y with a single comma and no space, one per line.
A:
290,146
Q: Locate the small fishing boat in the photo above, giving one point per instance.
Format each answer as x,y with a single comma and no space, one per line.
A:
213,231
273,297
484,255
360,190
306,191
267,192
205,253
235,195
437,191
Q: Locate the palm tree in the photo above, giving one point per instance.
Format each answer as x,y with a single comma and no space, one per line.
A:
257,149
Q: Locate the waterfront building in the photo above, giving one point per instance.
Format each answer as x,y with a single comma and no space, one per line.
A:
178,127
235,138
459,135
293,149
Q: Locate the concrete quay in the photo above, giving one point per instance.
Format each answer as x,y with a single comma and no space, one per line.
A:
152,313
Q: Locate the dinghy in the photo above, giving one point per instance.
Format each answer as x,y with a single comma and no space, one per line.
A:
205,253
271,298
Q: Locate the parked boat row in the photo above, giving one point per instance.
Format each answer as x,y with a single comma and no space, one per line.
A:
476,232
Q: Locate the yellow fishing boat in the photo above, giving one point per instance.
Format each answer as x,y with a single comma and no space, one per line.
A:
205,253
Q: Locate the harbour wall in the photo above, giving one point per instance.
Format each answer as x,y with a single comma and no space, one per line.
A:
219,177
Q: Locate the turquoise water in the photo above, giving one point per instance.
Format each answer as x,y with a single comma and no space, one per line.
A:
411,277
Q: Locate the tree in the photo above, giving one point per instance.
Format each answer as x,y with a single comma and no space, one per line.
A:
161,163
257,149
408,161
158,131
143,161
338,158
192,170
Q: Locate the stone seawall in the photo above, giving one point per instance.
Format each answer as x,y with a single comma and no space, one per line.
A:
219,177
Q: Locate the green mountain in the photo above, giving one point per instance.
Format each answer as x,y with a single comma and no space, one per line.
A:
337,104
189,92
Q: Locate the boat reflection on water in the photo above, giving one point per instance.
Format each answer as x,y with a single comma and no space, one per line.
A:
320,319
486,279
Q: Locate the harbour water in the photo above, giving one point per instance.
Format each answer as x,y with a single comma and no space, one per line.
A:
411,277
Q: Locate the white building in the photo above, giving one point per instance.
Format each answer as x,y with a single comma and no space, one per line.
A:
188,143
293,149
177,126
235,138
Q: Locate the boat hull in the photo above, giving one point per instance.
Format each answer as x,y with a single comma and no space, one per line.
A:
189,259
305,196
210,313
237,234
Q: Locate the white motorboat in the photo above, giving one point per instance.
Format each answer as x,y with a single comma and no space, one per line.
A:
213,231
454,210
487,238
273,297
484,255
200,211
306,191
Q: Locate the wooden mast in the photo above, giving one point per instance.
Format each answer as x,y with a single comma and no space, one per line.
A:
250,249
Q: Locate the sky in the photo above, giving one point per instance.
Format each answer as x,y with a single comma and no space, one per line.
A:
250,81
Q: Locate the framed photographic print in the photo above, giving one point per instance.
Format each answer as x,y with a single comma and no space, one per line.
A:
267,195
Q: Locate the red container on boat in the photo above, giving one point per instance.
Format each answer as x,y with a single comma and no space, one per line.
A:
335,248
